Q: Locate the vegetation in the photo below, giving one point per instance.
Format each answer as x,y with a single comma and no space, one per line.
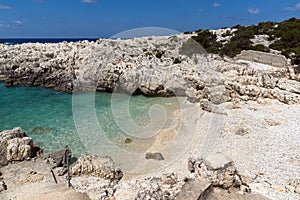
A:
208,41
285,37
177,61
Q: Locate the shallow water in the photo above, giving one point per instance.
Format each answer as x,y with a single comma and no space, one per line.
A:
48,116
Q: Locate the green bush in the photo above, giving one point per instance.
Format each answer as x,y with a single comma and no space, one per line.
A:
177,61
286,33
208,41
260,47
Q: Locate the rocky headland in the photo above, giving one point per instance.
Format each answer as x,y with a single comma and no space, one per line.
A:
257,102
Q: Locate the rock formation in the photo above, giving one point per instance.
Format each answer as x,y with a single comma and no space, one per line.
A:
153,66
15,145
101,167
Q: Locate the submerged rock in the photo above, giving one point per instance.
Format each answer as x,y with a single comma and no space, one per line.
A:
154,156
128,140
42,130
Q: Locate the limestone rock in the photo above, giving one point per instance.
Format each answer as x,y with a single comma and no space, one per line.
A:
58,159
266,58
195,189
169,179
297,188
16,146
2,186
218,169
102,167
217,161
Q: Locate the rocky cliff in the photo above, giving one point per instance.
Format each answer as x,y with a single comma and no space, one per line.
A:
153,66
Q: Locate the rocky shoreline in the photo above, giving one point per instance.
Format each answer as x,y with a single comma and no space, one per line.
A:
258,105
152,66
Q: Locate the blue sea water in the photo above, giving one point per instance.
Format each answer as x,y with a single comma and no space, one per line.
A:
47,116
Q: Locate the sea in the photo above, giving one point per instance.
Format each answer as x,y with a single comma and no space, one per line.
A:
49,116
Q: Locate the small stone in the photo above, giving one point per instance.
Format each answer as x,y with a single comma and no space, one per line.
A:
257,187
169,179
84,182
278,188
2,186
128,140
244,189
290,188
297,189
272,122
242,131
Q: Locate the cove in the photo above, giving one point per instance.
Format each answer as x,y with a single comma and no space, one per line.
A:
47,116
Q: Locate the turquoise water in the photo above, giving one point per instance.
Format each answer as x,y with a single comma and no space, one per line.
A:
47,116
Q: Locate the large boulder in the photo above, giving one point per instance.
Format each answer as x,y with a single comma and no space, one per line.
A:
15,145
217,168
102,167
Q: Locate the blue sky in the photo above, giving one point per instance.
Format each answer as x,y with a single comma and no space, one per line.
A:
103,18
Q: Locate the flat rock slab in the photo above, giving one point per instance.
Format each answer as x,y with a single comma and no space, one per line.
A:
195,190
220,194
217,161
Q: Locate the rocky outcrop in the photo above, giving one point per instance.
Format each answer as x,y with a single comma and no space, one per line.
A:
101,167
218,169
58,159
15,145
152,66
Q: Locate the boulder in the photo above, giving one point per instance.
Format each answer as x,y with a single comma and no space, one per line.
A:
195,189
102,167
15,145
58,159
218,169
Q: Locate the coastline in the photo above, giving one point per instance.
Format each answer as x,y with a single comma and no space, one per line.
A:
243,109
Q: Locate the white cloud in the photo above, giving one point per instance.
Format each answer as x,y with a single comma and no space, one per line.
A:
18,22
216,5
88,1
5,7
294,8
254,11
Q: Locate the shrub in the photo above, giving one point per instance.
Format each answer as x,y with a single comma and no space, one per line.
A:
260,47
177,61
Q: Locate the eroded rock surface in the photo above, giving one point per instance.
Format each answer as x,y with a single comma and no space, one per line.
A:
15,145
153,66
102,167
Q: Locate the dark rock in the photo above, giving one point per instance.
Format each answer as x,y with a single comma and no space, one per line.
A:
195,189
3,159
154,156
3,186
58,158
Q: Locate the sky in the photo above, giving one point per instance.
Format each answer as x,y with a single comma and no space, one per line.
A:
104,18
